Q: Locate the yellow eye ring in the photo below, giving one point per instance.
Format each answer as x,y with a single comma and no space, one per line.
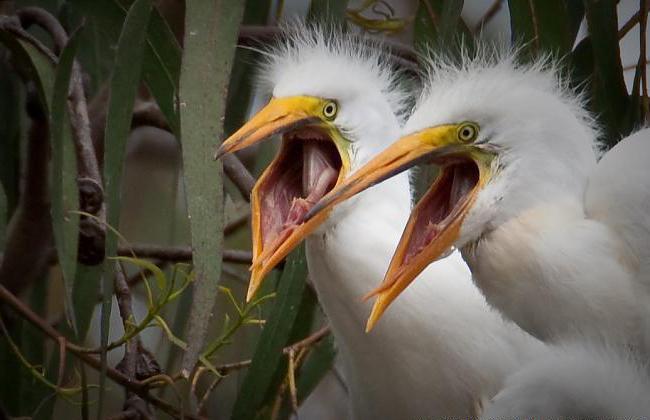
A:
330,109
467,132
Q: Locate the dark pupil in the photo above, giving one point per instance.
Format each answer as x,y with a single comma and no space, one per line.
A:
329,109
467,133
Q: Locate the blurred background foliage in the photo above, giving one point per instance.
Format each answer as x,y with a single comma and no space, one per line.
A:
114,219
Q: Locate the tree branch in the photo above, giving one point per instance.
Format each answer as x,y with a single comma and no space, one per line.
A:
91,191
308,341
136,386
179,253
238,174
29,234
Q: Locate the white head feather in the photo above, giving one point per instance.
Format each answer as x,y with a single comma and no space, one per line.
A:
354,70
528,114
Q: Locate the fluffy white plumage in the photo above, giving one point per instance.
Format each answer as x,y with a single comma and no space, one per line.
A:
575,380
442,349
533,248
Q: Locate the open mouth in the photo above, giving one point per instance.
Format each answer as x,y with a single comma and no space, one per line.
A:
306,168
443,204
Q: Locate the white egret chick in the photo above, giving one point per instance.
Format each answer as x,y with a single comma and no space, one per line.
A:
336,103
556,242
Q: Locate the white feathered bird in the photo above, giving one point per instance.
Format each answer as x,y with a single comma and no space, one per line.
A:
558,243
443,351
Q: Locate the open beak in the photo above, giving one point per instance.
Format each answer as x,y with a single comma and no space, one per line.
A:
434,224
312,159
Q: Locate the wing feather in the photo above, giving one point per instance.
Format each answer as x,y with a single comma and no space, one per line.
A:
618,194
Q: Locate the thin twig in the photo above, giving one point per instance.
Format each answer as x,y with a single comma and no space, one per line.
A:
308,341
627,26
128,365
26,313
489,14
170,253
643,19
207,392
179,253
61,374
238,174
236,223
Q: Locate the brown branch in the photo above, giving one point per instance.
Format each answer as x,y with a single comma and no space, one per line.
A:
236,223
170,253
91,191
627,26
308,341
132,348
489,14
238,174
643,20
11,24
35,15
136,386
179,253
29,234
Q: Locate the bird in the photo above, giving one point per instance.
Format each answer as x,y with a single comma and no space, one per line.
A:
555,240
575,379
337,102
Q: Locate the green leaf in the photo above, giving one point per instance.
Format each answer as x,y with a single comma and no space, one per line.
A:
241,81
330,11
124,83
159,275
63,178
84,296
438,26
544,25
610,99
35,65
211,32
268,353
161,56
162,67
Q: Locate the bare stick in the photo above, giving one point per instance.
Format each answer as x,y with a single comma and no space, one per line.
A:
308,341
643,20
238,174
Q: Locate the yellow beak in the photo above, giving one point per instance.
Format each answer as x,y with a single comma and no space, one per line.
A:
436,145
279,116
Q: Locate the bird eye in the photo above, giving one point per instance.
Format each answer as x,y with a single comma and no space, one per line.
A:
467,132
330,109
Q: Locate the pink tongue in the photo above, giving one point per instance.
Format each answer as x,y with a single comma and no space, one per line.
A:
318,176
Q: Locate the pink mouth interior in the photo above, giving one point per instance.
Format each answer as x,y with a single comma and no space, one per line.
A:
439,206
306,168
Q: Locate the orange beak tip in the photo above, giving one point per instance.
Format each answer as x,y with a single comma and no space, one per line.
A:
220,152
370,325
